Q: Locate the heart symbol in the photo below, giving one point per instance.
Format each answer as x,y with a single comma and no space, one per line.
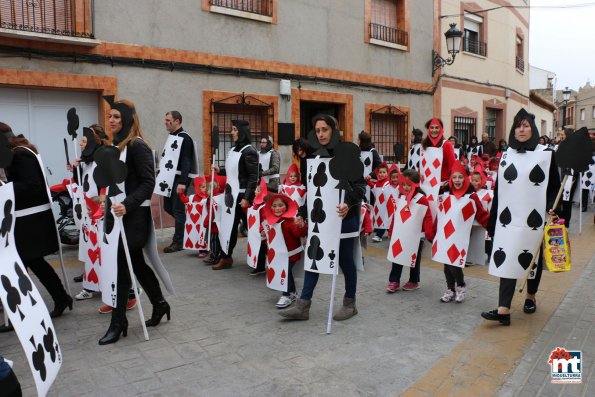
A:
198,208
93,254
249,249
92,277
194,218
188,228
189,243
198,228
93,238
271,255
289,190
302,192
270,274
251,221
272,234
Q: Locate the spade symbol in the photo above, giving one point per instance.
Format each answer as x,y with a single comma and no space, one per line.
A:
367,162
315,252
525,259
505,217
108,223
317,215
169,165
499,257
536,175
73,122
78,209
534,220
511,173
38,359
174,145
24,283
228,198
418,151
13,297
502,163
86,186
6,224
320,178
163,153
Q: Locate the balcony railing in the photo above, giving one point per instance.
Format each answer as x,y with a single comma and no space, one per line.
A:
475,47
260,7
520,64
72,18
388,34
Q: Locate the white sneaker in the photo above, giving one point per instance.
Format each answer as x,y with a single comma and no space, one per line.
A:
448,296
84,294
376,239
285,301
460,294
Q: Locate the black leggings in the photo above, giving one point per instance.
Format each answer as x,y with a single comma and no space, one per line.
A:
233,238
397,270
454,275
48,277
145,276
508,285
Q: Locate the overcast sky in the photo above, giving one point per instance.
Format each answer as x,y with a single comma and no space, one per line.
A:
563,41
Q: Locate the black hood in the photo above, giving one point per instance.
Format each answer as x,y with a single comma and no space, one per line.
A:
533,141
269,145
243,133
126,112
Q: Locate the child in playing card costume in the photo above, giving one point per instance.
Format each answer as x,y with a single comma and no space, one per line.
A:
380,213
479,244
412,219
527,185
459,207
35,230
324,138
136,216
437,159
256,245
286,247
293,187
214,245
196,211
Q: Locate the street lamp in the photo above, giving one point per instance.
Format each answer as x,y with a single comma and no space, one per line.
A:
565,98
453,45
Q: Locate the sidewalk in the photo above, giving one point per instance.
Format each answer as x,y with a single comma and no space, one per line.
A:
226,339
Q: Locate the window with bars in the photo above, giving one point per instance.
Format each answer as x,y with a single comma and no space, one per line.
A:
491,116
240,107
520,57
388,126
260,7
473,41
388,22
464,129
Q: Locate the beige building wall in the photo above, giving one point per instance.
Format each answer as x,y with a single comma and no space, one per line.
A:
486,82
544,119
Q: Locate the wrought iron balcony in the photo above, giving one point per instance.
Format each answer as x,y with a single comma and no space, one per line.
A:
520,64
475,47
260,7
73,18
388,34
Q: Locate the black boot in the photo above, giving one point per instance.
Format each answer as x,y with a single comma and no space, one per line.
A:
159,310
116,327
493,315
60,306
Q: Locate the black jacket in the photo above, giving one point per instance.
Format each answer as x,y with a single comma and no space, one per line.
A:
186,157
35,235
247,170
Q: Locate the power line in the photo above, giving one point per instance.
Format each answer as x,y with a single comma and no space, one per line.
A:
582,5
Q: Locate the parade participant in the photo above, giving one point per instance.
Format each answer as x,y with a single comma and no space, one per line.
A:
473,149
479,246
301,150
459,207
324,138
195,234
285,242
414,158
588,180
214,244
526,170
9,384
293,187
502,146
270,163
135,212
380,218
241,169
437,159
35,230
565,211
176,167
411,220
370,158
257,244
458,149
487,146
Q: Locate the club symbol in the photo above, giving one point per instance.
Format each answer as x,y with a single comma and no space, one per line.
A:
38,358
6,224
169,165
315,253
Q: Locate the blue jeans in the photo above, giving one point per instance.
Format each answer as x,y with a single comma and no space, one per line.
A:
346,263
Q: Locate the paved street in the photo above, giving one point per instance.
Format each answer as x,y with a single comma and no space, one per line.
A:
226,339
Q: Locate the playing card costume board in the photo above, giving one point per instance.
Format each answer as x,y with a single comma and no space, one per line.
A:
406,231
366,159
430,172
455,219
254,236
457,151
472,152
296,192
520,223
278,256
23,303
380,218
264,159
324,224
168,164
195,232
588,177
89,251
476,254
414,158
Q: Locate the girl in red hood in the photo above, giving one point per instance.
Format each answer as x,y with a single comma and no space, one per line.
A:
293,187
195,234
380,213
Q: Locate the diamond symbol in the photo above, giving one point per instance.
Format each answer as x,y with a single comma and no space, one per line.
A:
436,163
397,248
423,162
428,172
468,211
449,229
433,182
405,214
378,221
434,247
447,204
453,253
463,253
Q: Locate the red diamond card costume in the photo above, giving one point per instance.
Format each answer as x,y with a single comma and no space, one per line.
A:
406,230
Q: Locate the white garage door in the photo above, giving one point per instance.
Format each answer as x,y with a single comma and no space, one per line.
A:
40,115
